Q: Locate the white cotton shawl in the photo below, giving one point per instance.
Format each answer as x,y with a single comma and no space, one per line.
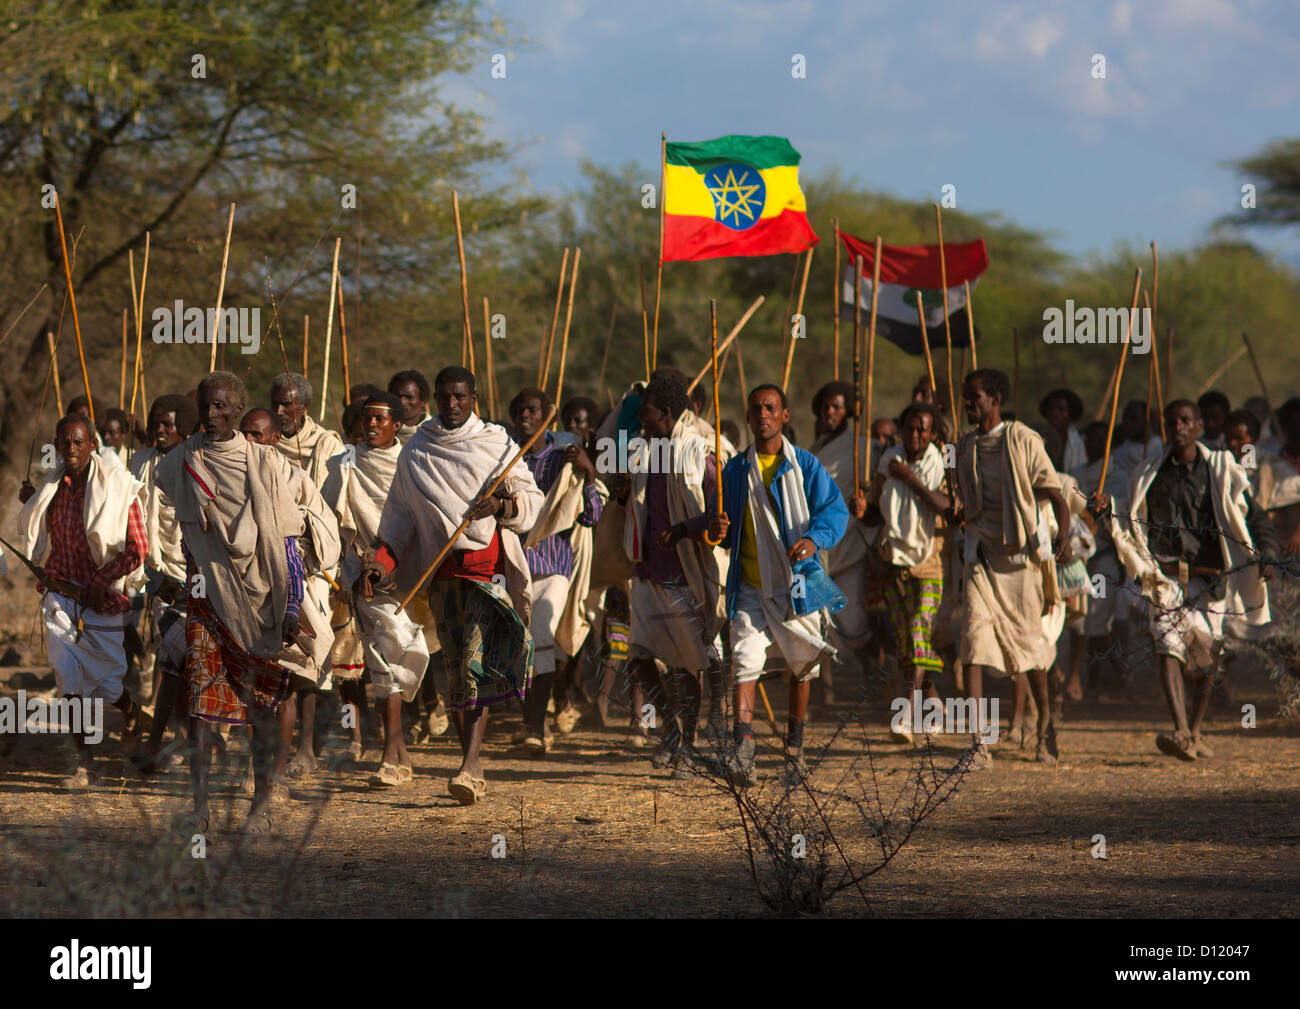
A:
110,492
440,473
907,538
311,448
160,523
799,638
356,488
235,502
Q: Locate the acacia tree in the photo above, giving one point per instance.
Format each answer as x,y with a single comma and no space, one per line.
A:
153,115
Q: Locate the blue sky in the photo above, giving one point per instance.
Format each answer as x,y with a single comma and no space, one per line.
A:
996,98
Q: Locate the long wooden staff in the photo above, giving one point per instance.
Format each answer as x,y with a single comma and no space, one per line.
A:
798,313
1155,287
1153,378
121,389
1233,358
744,386
947,325
970,327
464,278
1119,378
72,300
343,345
306,328
137,374
487,359
221,294
568,318
491,489
929,361
1110,386
717,408
871,350
54,366
1272,417
544,363
857,372
329,327
735,331
645,321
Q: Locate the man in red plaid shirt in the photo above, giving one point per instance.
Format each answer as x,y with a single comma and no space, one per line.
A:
85,526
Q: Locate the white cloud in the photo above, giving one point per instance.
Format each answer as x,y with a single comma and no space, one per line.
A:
1121,17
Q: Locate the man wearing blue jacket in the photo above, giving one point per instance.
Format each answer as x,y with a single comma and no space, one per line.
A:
780,507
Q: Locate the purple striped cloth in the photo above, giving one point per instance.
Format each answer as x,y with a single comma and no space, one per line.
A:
554,555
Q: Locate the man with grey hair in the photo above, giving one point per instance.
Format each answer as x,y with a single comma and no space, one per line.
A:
239,525
302,441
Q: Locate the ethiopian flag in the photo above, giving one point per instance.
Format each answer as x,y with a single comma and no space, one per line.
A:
734,196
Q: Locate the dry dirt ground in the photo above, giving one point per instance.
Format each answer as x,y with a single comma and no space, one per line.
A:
603,835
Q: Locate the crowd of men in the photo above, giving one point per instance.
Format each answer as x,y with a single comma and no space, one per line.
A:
247,560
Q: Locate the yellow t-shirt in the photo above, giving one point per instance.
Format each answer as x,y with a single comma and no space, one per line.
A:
749,569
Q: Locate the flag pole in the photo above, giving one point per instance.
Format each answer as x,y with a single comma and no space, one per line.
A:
970,325
221,291
1119,378
798,313
645,320
871,342
544,362
568,318
857,373
329,328
835,305
659,273
72,299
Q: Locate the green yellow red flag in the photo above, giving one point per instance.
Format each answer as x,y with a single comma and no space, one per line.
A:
734,196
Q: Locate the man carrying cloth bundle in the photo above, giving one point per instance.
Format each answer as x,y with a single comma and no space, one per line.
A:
480,595
780,508
239,528
395,649
1199,546
85,526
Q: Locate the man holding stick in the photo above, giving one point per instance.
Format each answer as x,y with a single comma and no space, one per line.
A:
1200,548
780,507
85,526
480,594
240,525
1002,472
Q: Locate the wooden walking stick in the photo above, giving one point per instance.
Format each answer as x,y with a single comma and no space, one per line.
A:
306,326
72,300
54,367
487,358
947,324
343,346
491,489
970,326
329,328
1155,375
221,293
929,361
544,364
871,350
464,279
121,389
717,430
1233,358
568,318
798,313
1155,288
137,373
1262,387
857,373
835,305
1119,378
735,331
